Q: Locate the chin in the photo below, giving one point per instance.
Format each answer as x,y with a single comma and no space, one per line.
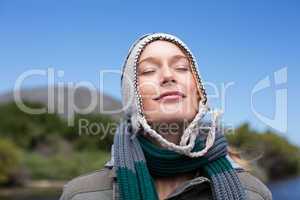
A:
172,118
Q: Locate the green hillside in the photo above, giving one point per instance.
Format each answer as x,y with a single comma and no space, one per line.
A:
34,147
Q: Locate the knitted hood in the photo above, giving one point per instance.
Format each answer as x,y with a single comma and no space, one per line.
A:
132,102
137,160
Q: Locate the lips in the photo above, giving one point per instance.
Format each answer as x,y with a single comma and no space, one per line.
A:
170,95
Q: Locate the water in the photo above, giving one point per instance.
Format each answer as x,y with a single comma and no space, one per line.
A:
287,190
31,194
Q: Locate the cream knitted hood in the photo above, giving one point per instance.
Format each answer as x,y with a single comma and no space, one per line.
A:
132,102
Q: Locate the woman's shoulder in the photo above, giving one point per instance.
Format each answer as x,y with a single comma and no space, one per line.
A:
254,188
98,183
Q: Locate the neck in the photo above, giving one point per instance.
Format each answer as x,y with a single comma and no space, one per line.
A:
170,131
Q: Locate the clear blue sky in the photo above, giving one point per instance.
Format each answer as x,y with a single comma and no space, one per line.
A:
234,41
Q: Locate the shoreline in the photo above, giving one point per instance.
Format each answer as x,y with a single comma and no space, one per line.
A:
34,188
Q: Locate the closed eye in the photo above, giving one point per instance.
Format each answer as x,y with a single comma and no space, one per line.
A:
182,68
148,72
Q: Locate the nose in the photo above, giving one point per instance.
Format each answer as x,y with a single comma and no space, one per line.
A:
167,75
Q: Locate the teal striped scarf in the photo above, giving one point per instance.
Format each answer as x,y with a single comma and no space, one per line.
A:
137,160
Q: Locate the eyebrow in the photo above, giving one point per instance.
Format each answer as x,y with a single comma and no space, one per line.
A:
154,60
148,59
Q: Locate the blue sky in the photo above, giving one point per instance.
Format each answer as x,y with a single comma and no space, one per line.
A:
234,41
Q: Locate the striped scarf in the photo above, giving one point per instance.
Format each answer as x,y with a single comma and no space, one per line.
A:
137,159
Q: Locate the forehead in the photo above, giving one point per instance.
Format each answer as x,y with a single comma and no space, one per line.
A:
161,49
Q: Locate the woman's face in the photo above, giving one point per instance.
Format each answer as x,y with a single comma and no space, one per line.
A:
166,84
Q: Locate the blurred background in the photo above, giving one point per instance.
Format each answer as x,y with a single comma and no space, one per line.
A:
57,57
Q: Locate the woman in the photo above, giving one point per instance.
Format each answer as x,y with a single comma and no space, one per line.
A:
162,148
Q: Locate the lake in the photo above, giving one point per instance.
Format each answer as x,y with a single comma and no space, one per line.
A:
287,190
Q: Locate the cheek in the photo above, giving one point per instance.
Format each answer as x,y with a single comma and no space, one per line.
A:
195,91
148,89
192,90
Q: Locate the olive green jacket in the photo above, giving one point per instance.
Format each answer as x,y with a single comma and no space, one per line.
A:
101,185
